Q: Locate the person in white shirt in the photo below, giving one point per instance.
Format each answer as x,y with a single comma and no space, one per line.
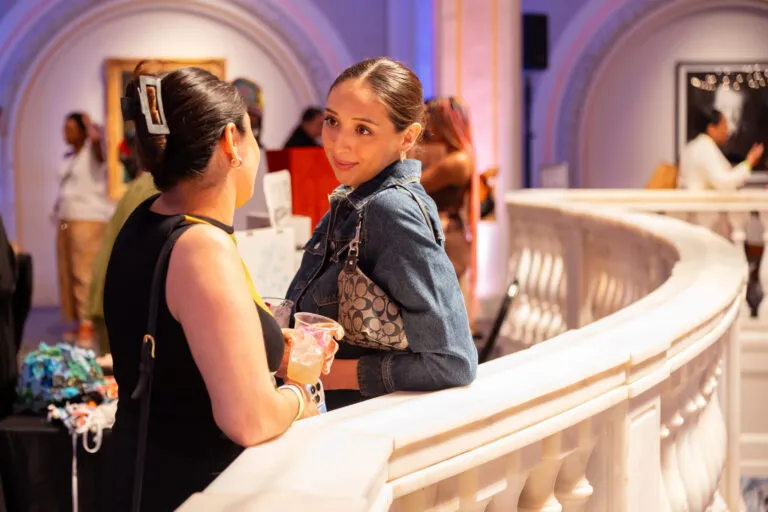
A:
703,166
82,210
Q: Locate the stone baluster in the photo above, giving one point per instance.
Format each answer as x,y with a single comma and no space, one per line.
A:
757,270
549,247
572,487
692,468
708,441
518,467
672,423
738,221
538,495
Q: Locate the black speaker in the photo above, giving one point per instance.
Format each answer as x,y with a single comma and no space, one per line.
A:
535,41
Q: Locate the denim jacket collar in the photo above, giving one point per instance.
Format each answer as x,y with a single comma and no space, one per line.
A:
398,173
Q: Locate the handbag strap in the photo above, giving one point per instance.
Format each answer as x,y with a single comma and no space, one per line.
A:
143,390
350,264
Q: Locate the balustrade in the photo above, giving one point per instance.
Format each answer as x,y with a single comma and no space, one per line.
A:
631,404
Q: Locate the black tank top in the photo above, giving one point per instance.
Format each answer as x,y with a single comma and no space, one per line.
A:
185,448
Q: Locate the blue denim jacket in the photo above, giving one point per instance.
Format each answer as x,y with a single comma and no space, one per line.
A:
406,258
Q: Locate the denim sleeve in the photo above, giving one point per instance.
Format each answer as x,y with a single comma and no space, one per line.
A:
400,254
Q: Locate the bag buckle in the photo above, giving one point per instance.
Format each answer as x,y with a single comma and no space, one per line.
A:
149,339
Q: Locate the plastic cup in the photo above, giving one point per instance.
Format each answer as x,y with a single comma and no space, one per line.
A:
281,309
321,328
313,333
306,360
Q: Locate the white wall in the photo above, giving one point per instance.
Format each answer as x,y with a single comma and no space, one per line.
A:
72,80
628,126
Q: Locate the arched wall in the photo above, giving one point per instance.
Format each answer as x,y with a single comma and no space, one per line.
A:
629,113
598,30
291,52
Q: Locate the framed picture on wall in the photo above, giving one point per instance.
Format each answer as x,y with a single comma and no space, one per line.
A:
118,136
738,90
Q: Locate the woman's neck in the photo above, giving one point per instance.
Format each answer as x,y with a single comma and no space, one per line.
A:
213,203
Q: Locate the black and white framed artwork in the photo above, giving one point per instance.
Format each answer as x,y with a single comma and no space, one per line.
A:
738,90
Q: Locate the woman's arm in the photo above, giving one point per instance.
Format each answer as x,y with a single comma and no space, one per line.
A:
453,169
207,293
402,256
720,174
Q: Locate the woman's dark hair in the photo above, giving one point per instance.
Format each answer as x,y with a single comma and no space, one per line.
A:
79,120
699,119
396,86
197,107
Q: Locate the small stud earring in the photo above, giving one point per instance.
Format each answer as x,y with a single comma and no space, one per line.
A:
236,162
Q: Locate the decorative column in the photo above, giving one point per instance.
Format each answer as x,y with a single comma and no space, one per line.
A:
478,58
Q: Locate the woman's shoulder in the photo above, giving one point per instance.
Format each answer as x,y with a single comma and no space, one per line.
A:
407,204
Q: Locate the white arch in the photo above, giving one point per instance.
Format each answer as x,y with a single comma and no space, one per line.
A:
575,115
578,58
294,32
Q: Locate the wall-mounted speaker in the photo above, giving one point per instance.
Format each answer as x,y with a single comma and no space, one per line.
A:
535,41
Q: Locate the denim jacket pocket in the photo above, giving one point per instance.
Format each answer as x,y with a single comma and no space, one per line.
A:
326,305
310,262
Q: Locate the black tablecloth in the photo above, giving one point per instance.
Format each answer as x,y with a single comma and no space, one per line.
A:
36,468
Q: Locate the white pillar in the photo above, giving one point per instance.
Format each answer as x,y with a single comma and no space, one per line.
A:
478,57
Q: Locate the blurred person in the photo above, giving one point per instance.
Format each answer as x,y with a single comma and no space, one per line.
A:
209,373
408,330
81,212
254,103
703,165
308,131
139,189
449,177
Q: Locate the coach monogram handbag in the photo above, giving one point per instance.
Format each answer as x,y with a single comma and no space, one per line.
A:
369,317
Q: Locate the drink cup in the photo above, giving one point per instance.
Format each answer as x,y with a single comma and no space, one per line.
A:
321,328
306,360
281,309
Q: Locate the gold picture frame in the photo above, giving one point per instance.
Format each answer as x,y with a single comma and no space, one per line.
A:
117,74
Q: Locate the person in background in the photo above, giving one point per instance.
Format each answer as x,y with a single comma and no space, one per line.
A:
447,155
703,165
139,189
8,346
212,392
310,129
81,212
254,103
374,116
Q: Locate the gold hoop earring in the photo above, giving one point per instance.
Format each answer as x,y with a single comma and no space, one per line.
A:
236,162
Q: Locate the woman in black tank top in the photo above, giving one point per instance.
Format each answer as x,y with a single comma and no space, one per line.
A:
211,389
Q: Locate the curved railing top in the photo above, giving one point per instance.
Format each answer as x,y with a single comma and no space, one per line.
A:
656,199
364,456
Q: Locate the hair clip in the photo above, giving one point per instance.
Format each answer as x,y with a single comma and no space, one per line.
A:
161,127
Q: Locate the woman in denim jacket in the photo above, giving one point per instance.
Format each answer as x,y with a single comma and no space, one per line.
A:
374,116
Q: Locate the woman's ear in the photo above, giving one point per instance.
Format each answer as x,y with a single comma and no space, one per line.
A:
411,136
229,141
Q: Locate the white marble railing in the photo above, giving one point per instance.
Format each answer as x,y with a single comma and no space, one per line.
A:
740,216
635,411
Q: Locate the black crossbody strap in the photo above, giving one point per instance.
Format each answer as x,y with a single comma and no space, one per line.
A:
143,390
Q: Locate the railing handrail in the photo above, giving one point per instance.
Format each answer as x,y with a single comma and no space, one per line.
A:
655,200
363,455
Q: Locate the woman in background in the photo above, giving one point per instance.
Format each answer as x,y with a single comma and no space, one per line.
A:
139,189
449,177
703,165
81,211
